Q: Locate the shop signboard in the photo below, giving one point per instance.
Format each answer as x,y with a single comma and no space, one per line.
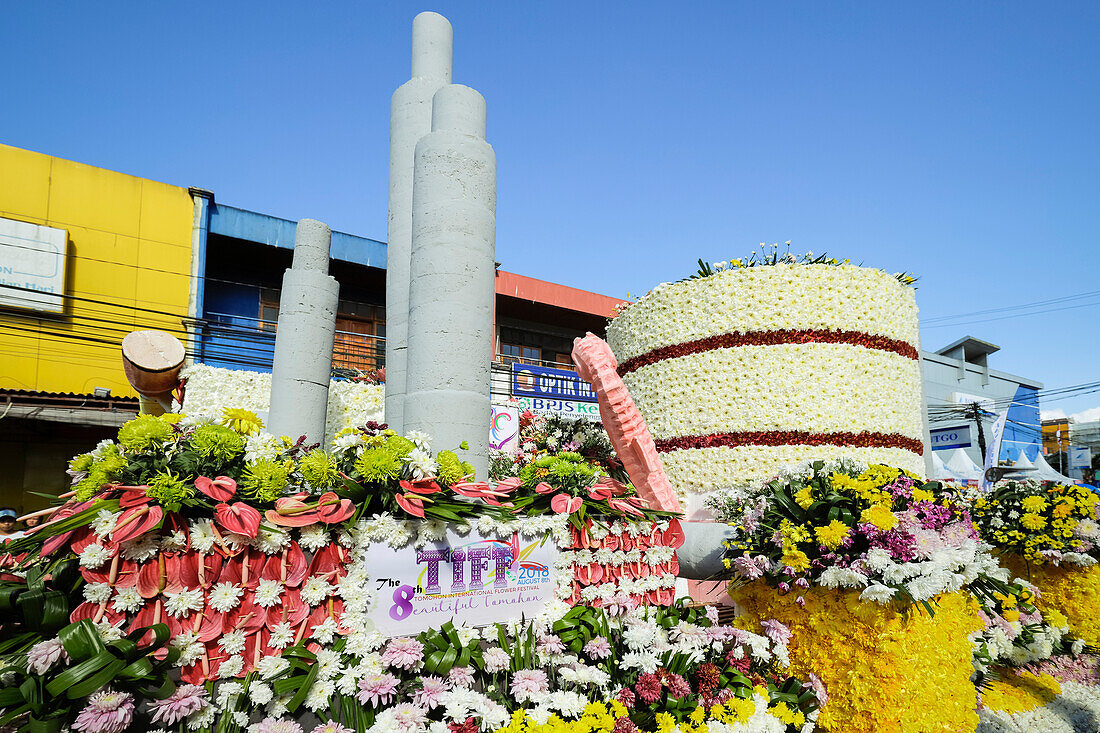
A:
32,266
467,579
529,380
571,408
949,438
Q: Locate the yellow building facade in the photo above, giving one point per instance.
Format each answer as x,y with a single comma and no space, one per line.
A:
127,267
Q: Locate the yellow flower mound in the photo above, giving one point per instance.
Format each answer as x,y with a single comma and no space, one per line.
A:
884,671
1070,590
599,717
1020,694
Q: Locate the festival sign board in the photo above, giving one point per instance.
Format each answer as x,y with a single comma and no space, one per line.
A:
504,428
467,579
950,438
529,380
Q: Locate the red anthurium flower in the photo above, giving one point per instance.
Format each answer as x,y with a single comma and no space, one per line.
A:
332,509
423,486
133,496
565,504
509,485
624,507
220,489
599,493
238,517
617,488
674,535
136,521
544,488
291,511
476,490
411,503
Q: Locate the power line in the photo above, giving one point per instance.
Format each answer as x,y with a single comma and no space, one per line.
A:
1050,301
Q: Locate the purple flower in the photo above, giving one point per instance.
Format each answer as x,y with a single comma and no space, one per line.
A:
747,568
377,689
403,652
107,711
527,683
549,644
461,676
431,691
678,686
332,727
276,725
44,655
185,700
776,631
496,660
598,648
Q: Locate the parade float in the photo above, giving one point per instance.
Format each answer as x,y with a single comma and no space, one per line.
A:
320,570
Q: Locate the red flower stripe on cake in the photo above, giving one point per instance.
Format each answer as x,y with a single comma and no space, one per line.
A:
769,338
790,437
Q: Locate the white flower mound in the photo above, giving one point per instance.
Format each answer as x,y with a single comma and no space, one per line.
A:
1076,710
212,389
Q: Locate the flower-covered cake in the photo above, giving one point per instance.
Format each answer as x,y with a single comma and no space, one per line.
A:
743,370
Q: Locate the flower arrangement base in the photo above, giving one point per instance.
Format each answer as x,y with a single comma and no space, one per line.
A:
1071,590
885,670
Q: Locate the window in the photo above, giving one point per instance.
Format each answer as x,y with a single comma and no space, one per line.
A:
360,342
513,353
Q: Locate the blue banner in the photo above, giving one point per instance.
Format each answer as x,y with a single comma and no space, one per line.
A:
561,384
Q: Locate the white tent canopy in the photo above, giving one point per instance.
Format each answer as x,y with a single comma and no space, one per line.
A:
1046,473
1023,462
960,464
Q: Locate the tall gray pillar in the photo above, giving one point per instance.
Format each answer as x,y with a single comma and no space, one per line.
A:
303,342
452,284
410,120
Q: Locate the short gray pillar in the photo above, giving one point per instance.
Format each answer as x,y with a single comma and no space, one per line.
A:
452,283
303,343
410,120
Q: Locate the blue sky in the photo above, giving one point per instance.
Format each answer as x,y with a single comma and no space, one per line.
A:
956,141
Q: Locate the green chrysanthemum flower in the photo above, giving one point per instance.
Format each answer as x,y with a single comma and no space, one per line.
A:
264,480
81,463
144,432
215,441
107,469
398,446
377,465
167,489
450,469
318,469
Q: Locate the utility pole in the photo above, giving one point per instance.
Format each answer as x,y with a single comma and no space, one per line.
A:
976,416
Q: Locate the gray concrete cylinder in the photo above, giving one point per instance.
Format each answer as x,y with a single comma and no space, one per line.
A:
410,120
701,554
452,285
303,343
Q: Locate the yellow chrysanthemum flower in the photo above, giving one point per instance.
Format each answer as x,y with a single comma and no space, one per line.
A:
880,516
1033,521
833,534
245,422
1033,504
805,497
796,560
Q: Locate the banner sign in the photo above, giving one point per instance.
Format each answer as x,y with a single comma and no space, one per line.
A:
560,384
504,428
586,410
1080,458
32,257
945,438
993,453
468,579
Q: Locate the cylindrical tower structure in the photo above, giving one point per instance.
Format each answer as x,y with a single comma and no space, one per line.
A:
303,342
410,120
452,277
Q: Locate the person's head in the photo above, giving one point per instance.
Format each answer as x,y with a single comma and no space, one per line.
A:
32,522
7,520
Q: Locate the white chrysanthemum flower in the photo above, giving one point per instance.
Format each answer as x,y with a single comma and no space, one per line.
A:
643,661
268,593
141,549
314,537
315,590
271,541
262,446
231,667
260,693
325,631
97,592
319,696
281,636
93,556
224,597
128,600
232,642
202,536
190,648
183,603
270,667
104,522
173,541
201,718
108,632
